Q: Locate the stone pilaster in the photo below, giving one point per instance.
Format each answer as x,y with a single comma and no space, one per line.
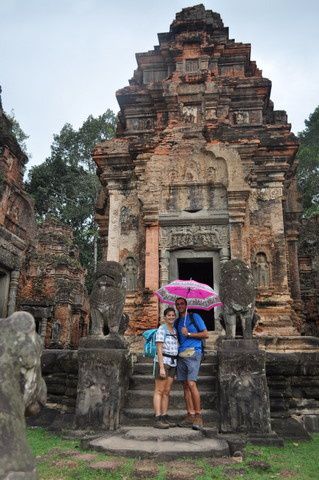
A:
114,223
13,288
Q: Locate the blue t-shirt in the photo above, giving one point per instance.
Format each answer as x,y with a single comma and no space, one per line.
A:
195,326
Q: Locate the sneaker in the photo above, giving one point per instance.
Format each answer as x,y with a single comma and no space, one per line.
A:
159,423
187,421
198,423
170,423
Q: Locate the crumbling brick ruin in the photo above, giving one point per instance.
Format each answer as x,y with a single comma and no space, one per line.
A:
202,169
17,223
309,274
52,288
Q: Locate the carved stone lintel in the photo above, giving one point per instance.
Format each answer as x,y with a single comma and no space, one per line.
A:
210,237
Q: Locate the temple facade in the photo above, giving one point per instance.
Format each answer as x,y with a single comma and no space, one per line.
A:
202,170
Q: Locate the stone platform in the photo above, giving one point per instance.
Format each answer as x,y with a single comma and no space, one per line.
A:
148,442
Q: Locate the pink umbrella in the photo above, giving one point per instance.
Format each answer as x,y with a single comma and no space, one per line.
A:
198,295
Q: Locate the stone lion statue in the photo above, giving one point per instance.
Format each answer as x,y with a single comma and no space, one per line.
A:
237,292
22,391
107,300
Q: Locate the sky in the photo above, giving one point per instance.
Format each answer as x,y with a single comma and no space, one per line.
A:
62,60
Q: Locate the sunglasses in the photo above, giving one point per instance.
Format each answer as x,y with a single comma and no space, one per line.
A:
179,304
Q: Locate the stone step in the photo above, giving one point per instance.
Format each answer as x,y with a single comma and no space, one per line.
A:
146,368
144,399
145,416
147,442
146,382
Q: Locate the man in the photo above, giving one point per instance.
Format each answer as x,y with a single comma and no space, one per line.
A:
191,330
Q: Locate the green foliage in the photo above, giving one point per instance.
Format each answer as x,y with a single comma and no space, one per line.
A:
65,185
17,131
308,169
75,146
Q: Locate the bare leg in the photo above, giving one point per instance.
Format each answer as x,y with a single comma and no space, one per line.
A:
188,398
165,397
158,395
192,387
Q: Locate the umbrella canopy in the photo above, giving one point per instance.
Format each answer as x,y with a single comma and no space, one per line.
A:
198,295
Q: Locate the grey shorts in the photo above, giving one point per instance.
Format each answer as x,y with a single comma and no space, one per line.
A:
188,368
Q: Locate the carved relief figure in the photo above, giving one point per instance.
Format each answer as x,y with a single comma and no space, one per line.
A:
22,391
190,114
242,118
107,298
55,335
261,270
191,170
212,173
243,393
131,274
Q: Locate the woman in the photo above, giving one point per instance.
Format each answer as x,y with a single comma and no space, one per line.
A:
165,368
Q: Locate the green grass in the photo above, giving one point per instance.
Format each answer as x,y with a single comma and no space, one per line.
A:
296,461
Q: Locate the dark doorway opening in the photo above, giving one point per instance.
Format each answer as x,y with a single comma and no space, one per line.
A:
201,270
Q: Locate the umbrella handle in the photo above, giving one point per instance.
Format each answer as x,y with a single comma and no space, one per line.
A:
185,318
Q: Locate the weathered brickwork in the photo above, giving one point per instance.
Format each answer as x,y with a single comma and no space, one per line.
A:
309,274
17,224
202,167
52,288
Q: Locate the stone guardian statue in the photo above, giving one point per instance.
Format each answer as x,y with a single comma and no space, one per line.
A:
107,302
237,292
22,391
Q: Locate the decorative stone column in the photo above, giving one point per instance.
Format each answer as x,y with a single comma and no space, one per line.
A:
44,324
224,254
114,229
151,257
292,242
13,288
237,203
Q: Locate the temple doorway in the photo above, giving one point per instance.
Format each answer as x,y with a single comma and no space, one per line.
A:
201,270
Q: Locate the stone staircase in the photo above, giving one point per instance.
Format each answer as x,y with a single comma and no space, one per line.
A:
137,437
139,404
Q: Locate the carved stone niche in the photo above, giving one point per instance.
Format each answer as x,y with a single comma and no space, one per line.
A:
261,271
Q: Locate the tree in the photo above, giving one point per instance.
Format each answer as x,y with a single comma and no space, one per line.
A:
17,131
75,147
308,169
65,185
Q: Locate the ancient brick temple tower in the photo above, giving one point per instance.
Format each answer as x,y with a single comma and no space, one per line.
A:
202,169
